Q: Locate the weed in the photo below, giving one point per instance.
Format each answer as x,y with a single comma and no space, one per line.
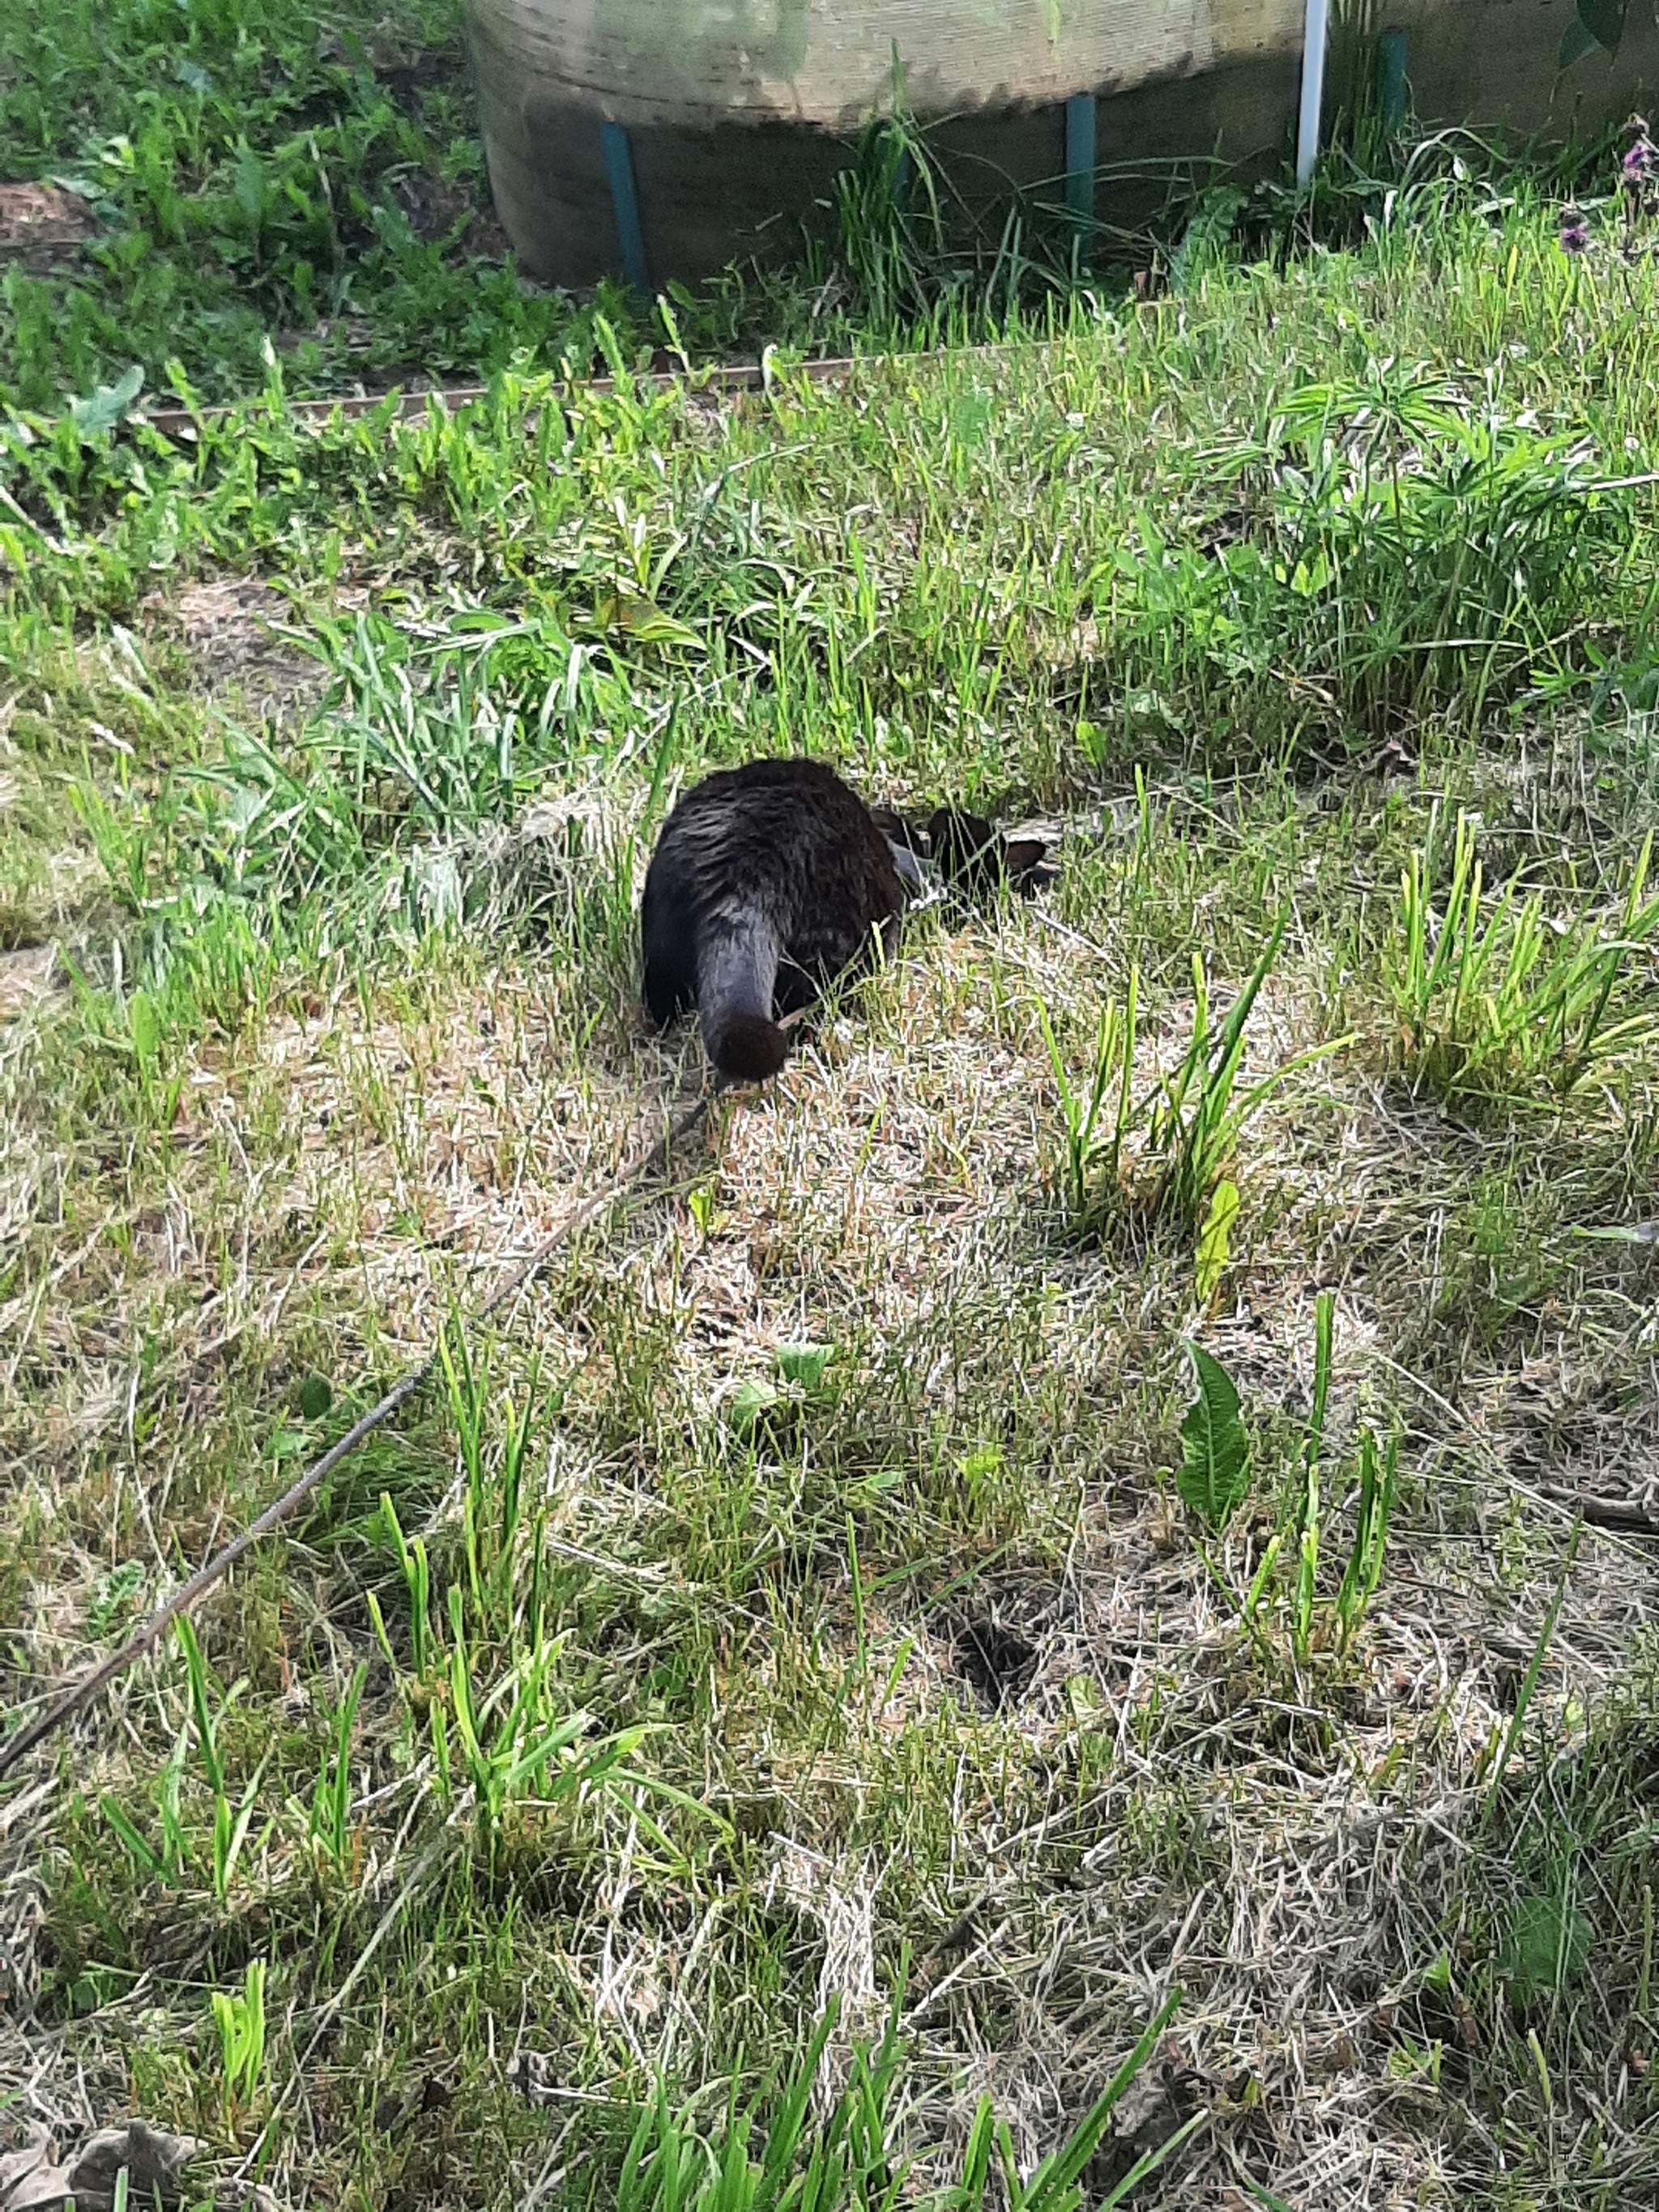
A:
1377,1483
1093,1157
240,2017
417,1581
115,1596
164,1862
328,1827
804,1364
1194,1123
1497,1006
1214,1480
852,2157
230,1824
1190,1122
244,174
1214,1476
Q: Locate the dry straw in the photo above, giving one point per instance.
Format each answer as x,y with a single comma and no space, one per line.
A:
183,1601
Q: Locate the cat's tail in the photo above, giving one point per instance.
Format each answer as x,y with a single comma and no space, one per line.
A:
737,970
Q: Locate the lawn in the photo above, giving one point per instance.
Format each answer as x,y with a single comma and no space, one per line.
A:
296,190
826,1591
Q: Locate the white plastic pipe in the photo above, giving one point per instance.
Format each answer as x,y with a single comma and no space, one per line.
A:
1316,22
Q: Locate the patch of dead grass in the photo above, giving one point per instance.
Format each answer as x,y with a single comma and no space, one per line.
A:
1151,1800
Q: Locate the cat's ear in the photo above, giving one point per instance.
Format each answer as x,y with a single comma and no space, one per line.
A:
901,834
1025,859
908,867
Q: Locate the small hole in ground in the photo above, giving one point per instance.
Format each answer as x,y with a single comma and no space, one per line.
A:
994,1660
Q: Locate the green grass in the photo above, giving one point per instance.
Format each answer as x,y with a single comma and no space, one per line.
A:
793,1600
253,171
303,183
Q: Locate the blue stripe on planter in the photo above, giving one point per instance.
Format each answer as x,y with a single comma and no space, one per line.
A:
624,202
1391,71
1080,157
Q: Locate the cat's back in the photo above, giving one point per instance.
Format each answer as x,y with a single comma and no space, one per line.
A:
744,813
771,829
768,880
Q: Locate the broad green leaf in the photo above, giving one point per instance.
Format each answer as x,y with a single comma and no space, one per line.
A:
1605,21
803,1365
748,1402
1546,1949
252,191
1577,41
1092,742
108,404
1580,38
1214,1477
1214,1240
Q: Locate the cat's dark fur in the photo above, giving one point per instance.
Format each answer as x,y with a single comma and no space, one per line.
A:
975,858
768,881
969,855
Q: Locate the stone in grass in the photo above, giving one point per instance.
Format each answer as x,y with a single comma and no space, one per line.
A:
33,2179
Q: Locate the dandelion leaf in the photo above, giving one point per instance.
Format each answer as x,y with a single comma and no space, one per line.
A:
1214,1477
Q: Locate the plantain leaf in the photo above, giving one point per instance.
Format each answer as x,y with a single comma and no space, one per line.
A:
1214,1477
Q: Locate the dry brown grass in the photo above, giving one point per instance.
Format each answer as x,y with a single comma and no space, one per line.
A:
1152,1799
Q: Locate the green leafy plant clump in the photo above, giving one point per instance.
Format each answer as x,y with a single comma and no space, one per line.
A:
297,175
1504,1003
1164,1156
1215,1479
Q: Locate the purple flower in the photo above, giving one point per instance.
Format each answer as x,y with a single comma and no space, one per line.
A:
1640,161
1575,234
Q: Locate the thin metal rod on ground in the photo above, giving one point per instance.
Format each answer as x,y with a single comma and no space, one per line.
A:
724,381
188,1594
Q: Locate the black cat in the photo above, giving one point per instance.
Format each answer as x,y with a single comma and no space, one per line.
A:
768,881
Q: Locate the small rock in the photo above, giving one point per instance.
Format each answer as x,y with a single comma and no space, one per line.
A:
154,2161
42,223
17,2166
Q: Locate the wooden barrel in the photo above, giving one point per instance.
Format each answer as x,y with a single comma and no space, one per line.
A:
658,139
